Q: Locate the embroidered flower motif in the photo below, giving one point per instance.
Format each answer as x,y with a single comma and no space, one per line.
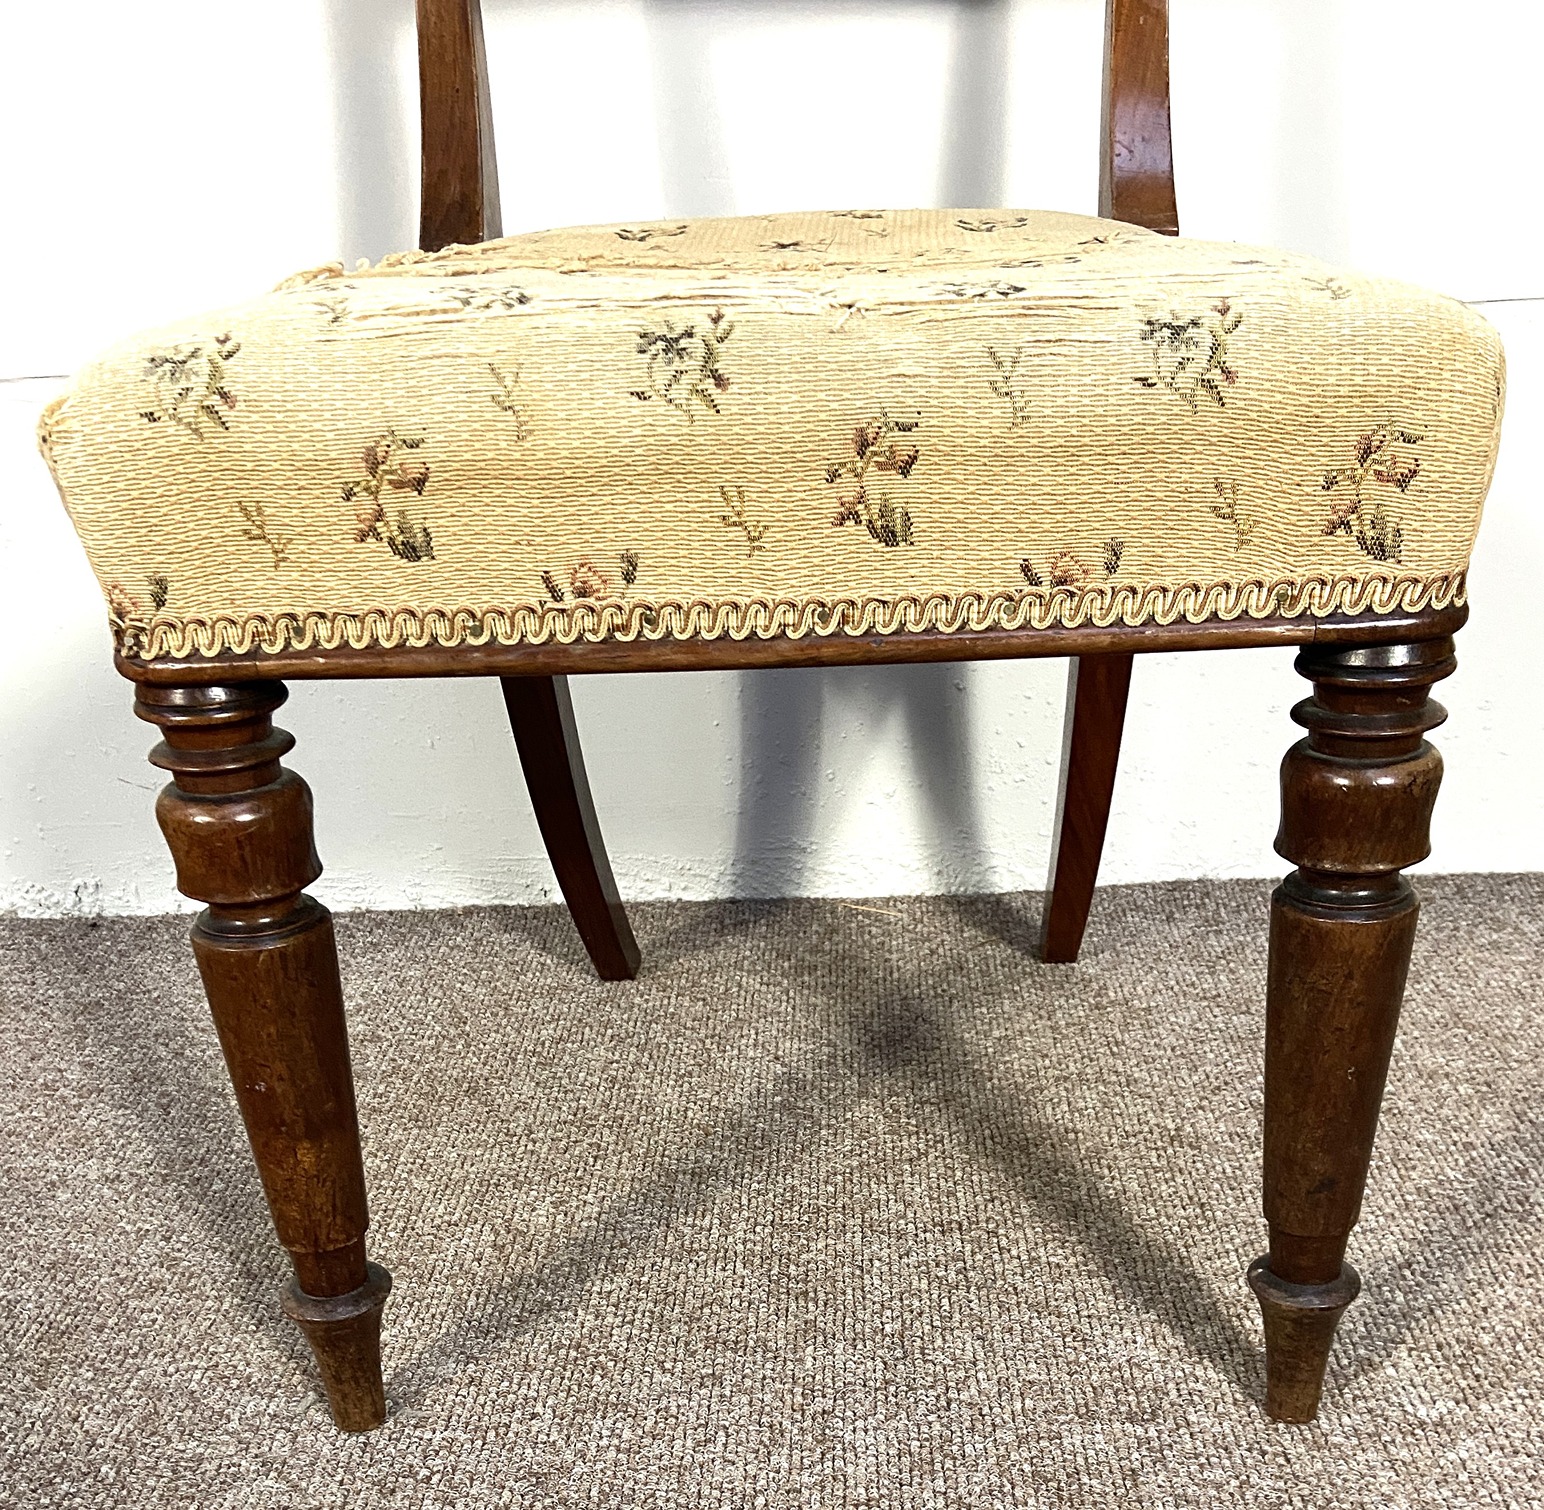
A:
682,366
877,449
190,385
257,529
1382,456
404,533
735,517
1336,287
486,298
127,616
588,581
121,603
1190,355
335,304
503,397
1227,510
999,290
1065,569
649,232
1006,385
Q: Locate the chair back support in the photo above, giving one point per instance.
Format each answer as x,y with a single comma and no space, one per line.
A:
460,200
1136,162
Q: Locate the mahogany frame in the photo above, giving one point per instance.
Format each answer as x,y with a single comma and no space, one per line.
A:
582,657
1357,794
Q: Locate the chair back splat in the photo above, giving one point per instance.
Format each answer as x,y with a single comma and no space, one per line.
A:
460,200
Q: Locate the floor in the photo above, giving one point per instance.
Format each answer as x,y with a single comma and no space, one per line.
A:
839,1205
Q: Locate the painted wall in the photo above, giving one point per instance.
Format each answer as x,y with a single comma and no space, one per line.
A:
155,163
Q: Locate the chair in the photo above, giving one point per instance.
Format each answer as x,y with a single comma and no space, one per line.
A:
812,439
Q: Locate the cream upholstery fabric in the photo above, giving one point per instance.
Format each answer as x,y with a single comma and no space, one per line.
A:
812,424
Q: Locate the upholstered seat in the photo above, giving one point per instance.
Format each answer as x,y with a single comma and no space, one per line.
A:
809,424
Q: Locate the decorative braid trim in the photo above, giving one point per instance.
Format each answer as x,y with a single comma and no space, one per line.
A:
392,628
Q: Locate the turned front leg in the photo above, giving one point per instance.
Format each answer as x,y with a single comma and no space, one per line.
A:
1357,796
239,828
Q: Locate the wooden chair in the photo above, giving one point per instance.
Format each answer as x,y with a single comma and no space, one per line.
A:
1357,792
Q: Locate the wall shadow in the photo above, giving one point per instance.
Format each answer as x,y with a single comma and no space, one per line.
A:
377,166
693,156
974,167
783,714
1309,191
784,718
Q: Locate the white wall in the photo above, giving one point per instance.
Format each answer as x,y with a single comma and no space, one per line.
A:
158,159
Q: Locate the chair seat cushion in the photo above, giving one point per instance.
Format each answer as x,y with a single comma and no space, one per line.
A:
824,423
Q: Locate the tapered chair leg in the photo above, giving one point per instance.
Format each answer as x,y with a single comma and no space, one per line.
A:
239,828
1097,688
1357,796
541,714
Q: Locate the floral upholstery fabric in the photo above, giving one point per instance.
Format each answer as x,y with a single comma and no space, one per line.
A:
809,424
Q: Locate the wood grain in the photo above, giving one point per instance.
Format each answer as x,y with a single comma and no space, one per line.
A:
1097,688
1136,165
541,714
1356,803
239,828
459,180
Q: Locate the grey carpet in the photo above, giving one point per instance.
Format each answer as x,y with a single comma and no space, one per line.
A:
834,1207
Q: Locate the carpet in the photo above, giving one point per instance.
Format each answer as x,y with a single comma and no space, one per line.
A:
839,1205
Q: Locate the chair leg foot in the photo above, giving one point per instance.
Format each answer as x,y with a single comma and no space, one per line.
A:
345,1335
1300,1322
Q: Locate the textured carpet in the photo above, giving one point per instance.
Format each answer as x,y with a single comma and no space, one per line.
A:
836,1206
